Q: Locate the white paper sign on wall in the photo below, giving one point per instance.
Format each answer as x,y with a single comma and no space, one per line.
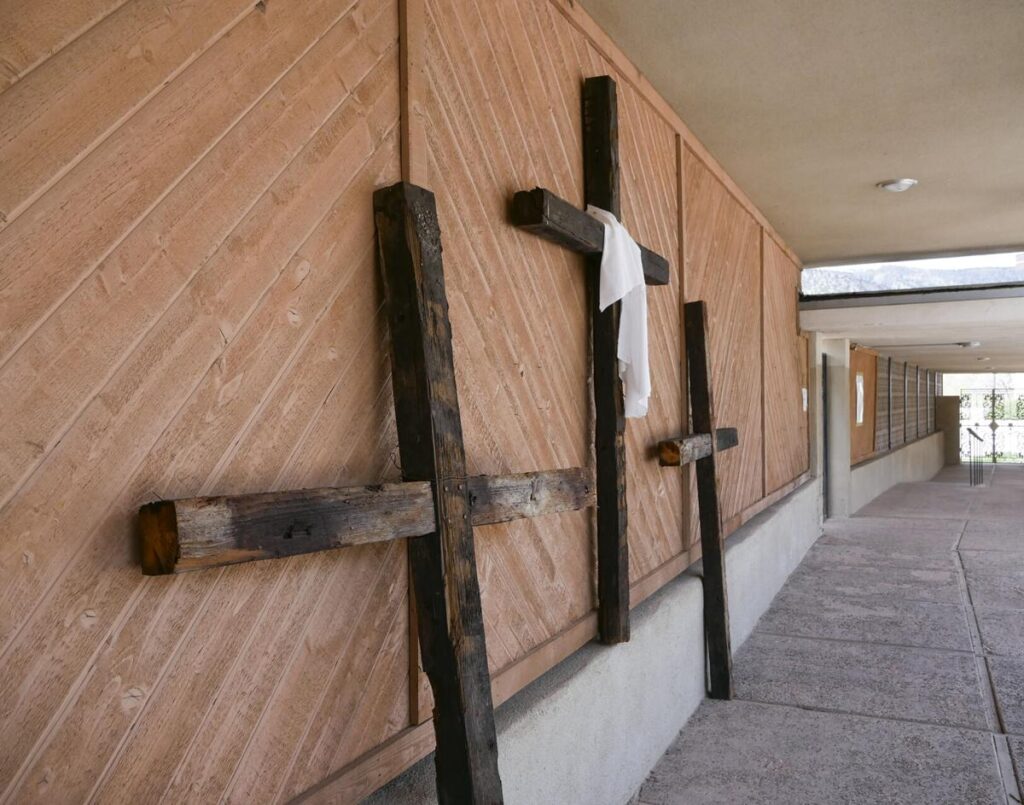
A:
804,390
860,398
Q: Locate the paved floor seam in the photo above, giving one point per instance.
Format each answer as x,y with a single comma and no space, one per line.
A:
874,716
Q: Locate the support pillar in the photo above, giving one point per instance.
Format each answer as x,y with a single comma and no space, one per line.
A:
837,351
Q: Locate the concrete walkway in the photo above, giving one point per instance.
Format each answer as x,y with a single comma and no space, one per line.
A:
889,669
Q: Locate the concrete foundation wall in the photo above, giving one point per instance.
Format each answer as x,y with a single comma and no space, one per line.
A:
590,730
917,461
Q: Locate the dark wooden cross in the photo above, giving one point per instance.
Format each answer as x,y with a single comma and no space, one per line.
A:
701,449
543,213
436,505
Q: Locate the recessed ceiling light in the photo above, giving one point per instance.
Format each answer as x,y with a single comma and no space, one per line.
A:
984,359
897,185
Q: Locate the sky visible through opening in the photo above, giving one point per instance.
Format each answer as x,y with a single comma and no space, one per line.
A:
939,272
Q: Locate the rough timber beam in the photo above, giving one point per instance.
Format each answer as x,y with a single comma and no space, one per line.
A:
542,213
601,189
687,449
443,563
195,533
712,542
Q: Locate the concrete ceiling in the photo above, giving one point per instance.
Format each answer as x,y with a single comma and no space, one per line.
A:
808,104
906,327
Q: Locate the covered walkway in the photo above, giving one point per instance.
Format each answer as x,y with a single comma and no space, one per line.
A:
890,668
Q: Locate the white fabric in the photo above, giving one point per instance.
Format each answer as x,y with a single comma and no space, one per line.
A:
622,278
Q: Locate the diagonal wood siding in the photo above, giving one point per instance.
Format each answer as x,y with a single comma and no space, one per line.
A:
862,436
189,305
723,267
785,420
188,295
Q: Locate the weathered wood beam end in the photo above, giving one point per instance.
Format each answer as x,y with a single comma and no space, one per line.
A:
687,449
544,214
158,538
726,439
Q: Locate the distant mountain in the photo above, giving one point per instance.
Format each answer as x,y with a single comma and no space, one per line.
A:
894,276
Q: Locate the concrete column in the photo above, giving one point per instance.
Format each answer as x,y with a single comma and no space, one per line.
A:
838,476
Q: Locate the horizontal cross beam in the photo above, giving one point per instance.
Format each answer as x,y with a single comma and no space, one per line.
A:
687,449
544,214
194,533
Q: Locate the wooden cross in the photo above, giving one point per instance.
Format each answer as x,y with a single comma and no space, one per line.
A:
437,505
701,449
543,213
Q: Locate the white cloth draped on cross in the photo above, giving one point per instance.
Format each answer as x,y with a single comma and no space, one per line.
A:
622,278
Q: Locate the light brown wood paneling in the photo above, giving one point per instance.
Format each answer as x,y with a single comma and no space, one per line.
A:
521,333
518,304
723,267
913,404
785,353
194,309
189,306
862,436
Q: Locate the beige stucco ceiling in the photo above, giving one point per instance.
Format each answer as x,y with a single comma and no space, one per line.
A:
809,104
925,329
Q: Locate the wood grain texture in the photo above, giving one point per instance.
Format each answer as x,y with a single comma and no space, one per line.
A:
194,533
712,539
913,404
687,449
442,563
131,53
32,32
862,435
786,450
524,404
601,188
233,256
723,268
189,306
544,214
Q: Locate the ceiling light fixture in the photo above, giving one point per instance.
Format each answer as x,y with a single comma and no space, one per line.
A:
896,185
984,359
960,344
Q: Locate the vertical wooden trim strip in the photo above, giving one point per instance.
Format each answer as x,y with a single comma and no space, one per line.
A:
906,391
716,601
684,395
601,188
412,36
889,402
412,33
764,359
443,564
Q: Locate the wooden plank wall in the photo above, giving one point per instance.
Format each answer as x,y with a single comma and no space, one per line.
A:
862,436
189,306
785,360
922,388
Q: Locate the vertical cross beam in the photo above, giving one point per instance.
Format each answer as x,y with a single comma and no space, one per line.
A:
443,563
712,543
601,188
